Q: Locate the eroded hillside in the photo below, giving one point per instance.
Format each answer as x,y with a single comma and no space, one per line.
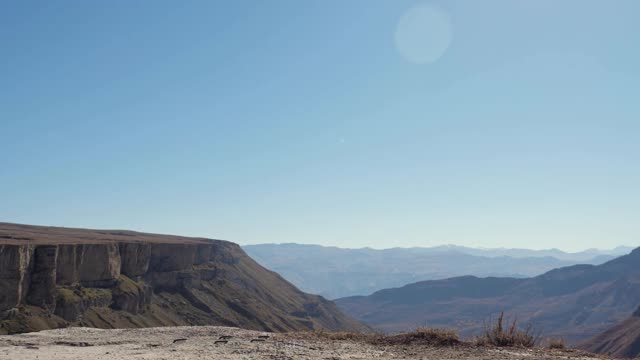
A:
621,340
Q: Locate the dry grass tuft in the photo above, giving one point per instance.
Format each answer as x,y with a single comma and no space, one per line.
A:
507,336
334,336
557,344
419,336
423,336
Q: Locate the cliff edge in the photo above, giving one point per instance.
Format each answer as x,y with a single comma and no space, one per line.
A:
58,277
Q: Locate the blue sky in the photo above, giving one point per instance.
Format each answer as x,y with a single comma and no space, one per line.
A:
306,121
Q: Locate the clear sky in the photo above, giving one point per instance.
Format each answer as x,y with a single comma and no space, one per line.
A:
352,123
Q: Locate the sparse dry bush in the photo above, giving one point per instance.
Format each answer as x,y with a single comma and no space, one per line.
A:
502,334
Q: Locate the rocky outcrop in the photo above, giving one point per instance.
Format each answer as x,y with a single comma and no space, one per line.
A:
131,296
173,280
14,274
173,257
31,274
52,277
91,265
73,302
204,253
42,287
135,258
67,265
100,265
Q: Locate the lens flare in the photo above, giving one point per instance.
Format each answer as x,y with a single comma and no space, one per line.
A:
424,34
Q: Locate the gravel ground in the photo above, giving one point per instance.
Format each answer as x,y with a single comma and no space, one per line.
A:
213,342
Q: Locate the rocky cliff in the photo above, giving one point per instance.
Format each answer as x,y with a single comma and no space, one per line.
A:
58,277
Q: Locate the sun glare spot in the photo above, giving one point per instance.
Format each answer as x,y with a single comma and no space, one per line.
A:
424,34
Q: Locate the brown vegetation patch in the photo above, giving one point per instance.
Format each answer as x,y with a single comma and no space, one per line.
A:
557,344
419,336
424,336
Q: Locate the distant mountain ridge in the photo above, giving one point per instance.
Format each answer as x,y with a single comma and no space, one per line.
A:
575,302
336,272
584,255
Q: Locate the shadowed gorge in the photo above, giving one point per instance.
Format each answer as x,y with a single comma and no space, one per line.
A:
58,277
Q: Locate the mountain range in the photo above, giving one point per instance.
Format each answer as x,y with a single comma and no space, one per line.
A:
575,302
337,272
58,277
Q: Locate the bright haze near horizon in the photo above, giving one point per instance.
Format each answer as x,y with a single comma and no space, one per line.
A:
352,123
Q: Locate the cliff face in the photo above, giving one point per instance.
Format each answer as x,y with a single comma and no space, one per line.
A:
56,277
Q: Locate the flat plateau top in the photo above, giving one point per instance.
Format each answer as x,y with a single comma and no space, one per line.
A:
16,234
210,342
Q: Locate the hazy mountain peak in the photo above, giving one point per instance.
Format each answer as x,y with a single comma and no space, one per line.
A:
336,272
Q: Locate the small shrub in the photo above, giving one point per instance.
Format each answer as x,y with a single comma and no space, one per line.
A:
482,341
506,336
557,344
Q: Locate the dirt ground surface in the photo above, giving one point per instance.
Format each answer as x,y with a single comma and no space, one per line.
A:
214,342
